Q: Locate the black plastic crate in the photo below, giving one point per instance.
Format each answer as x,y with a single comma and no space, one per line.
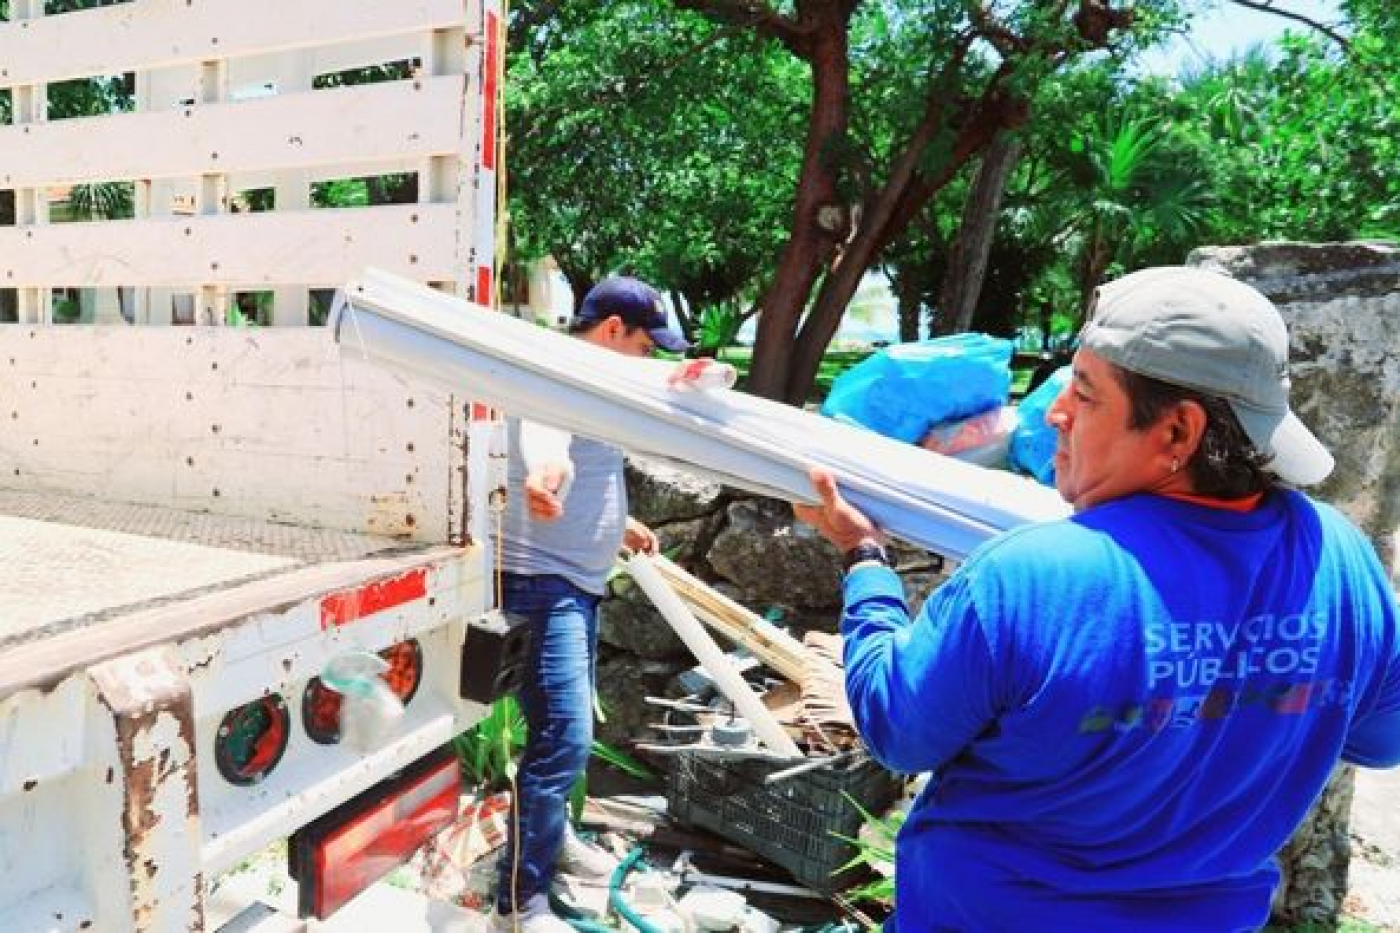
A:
795,823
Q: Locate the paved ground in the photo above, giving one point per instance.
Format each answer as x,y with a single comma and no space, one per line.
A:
1375,865
1374,898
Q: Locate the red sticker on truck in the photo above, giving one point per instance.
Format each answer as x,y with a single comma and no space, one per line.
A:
343,608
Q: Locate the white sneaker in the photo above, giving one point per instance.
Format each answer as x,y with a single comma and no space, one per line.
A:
584,860
536,917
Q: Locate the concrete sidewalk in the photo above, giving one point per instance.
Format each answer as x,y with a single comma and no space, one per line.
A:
1374,878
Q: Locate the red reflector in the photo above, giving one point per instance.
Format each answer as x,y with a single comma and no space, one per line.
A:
353,846
350,605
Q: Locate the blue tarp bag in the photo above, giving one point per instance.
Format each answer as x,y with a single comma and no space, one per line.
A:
903,390
1033,442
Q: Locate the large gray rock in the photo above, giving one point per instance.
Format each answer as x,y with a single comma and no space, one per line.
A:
624,681
629,622
1316,860
660,493
774,559
686,542
1293,272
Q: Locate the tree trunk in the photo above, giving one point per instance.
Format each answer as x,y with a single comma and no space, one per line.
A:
817,32
1316,859
1097,254
892,209
967,262
907,296
819,219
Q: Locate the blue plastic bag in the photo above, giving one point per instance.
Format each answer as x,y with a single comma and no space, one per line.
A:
903,390
1033,442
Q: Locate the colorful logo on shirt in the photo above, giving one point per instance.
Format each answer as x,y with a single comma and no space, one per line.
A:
1206,671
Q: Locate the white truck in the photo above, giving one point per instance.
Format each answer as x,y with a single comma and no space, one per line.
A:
196,520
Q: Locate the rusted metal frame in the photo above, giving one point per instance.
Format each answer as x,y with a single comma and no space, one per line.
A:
151,705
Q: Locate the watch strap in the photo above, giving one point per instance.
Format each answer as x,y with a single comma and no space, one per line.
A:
864,553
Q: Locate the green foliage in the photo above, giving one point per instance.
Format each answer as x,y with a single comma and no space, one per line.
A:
877,852
644,137
67,311
397,188
488,750
642,140
371,74
1302,148
718,326
103,200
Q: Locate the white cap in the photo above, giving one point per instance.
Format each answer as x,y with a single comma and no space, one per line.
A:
1205,331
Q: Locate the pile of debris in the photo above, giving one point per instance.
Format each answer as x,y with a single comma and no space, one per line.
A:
767,784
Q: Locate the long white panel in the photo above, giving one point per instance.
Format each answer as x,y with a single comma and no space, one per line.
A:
353,124
283,247
937,502
159,33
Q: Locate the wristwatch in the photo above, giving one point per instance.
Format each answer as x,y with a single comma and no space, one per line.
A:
864,553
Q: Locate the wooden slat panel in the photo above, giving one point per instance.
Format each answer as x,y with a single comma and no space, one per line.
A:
210,419
327,247
387,121
158,33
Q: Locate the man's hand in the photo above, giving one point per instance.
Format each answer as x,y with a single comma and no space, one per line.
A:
836,519
542,492
638,538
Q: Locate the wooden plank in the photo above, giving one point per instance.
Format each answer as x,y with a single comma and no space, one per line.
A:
770,645
163,33
362,124
315,248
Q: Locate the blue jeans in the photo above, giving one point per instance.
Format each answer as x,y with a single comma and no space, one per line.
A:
556,695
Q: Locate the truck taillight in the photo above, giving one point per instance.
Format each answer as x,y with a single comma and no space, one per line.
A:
405,671
320,713
320,705
347,850
251,739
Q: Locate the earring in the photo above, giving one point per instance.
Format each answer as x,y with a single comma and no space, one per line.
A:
1176,464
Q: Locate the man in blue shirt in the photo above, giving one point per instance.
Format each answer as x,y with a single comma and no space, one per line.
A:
1126,713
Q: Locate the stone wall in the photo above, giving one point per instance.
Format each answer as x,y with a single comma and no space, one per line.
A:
749,548
1342,305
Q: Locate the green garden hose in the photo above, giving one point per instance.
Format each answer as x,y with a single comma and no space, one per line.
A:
615,899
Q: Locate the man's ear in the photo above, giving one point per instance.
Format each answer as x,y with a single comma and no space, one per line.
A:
1185,426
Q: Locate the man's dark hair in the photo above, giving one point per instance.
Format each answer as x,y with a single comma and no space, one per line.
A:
1227,465
578,326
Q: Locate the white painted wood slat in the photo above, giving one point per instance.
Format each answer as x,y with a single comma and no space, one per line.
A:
209,419
361,124
317,247
160,33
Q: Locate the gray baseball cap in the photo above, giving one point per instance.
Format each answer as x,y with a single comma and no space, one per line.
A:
1203,330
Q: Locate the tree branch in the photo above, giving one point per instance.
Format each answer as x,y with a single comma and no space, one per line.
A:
1267,6
753,14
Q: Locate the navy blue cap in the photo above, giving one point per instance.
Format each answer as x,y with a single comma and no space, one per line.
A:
637,304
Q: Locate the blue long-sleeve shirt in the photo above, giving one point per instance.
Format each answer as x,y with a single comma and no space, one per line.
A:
1125,713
